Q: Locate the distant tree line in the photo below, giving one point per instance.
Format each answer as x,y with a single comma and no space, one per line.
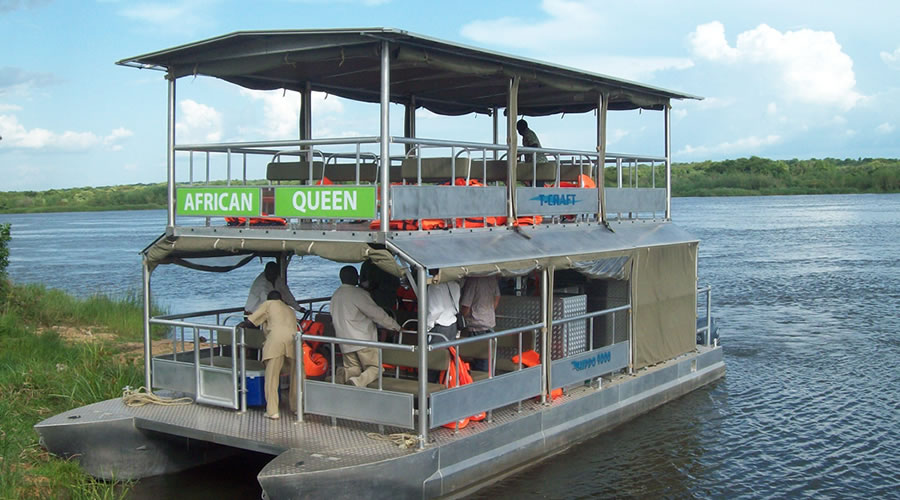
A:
740,177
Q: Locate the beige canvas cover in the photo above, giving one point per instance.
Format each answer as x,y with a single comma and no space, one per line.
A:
664,299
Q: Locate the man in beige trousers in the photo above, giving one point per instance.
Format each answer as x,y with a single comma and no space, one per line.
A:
279,324
355,315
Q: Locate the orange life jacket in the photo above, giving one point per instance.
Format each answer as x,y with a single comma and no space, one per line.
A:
314,364
584,181
450,379
396,225
531,358
256,221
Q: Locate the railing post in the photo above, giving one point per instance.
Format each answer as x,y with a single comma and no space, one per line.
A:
423,357
170,152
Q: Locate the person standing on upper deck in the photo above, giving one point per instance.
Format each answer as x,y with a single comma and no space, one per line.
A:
480,298
529,140
279,322
269,280
354,315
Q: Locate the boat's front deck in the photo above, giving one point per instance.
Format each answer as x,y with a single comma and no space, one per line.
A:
325,445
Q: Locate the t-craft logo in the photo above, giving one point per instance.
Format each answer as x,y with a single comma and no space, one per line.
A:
218,201
556,200
336,202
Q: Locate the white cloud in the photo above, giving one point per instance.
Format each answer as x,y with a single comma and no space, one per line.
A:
811,66
712,103
708,42
679,113
15,135
568,36
182,16
17,81
885,128
629,68
281,112
892,59
772,109
197,123
569,22
11,5
746,144
616,136
9,107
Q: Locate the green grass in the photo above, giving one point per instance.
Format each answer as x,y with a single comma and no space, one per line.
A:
42,375
41,306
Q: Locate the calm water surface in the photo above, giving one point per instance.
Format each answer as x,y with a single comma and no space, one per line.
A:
806,289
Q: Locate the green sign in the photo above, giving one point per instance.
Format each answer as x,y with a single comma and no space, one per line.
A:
226,201
340,202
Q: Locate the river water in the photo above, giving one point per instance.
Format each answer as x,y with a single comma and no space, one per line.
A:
806,289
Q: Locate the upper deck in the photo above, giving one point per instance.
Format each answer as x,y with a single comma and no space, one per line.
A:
367,188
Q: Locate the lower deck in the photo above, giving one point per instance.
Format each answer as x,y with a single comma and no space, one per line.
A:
511,438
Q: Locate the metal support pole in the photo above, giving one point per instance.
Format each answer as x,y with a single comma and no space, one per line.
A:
423,357
243,372
668,117
306,112
385,134
494,113
299,374
628,323
148,382
228,167
170,152
409,123
545,351
619,173
512,142
602,107
709,316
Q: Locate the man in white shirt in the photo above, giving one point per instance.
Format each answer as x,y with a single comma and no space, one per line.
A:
443,304
269,280
354,315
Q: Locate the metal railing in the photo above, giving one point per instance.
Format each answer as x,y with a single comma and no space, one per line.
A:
358,152
238,389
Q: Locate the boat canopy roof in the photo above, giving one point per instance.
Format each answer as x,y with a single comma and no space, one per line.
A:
445,78
592,250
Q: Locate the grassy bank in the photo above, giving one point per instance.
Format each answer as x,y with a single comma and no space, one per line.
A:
45,370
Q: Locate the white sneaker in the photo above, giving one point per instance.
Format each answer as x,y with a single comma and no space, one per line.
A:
273,417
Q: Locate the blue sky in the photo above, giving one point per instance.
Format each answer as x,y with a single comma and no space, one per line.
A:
780,79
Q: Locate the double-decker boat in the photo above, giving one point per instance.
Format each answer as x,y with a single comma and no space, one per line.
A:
597,321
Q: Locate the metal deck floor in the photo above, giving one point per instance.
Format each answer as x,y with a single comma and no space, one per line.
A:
315,442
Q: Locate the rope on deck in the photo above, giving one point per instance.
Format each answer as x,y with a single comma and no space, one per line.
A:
141,396
401,439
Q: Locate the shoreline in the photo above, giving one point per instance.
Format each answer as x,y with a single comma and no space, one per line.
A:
59,352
